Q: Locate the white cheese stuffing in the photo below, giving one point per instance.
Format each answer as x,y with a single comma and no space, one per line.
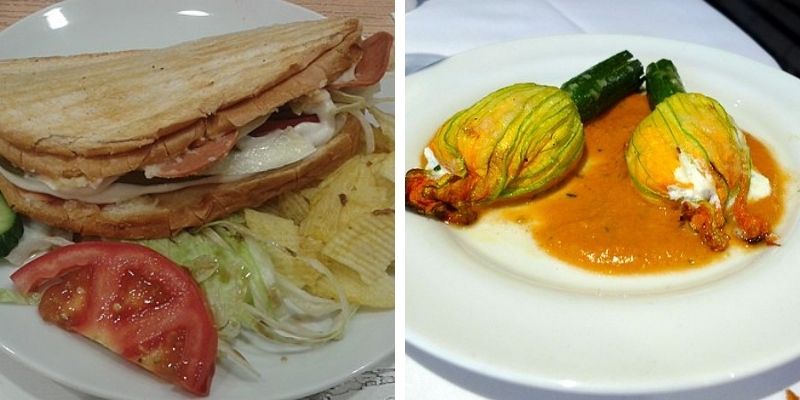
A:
760,187
433,165
701,184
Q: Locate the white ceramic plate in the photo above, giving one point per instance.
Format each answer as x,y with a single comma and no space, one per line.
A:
83,26
486,299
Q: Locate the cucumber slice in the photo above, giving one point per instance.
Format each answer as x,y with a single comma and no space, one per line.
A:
10,228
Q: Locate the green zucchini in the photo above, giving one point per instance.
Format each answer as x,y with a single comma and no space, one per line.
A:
603,85
662,81
10,228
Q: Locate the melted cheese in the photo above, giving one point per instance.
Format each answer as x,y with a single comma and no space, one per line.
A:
112,193
283,146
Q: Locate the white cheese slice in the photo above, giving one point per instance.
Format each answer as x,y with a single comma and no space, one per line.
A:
284,146
113,193
256,154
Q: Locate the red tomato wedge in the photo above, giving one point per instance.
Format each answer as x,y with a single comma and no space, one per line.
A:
133,301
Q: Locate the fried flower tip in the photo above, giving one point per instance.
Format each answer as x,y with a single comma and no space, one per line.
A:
751,228
705,221
422,198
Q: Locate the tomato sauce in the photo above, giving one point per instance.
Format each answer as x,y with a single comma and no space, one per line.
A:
597,220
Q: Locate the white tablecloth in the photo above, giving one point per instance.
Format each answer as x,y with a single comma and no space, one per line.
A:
446,27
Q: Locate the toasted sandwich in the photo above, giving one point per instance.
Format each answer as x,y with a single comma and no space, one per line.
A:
144,143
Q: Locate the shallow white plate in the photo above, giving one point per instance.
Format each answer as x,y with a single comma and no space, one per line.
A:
82,26
486,299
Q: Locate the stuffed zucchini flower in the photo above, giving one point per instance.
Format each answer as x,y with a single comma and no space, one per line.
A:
689,150
516,141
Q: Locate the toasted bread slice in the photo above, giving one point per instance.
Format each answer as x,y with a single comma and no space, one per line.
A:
161,215
148,104
322,70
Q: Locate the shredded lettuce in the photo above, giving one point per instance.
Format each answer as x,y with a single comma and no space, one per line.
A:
355,102
37,239
247,293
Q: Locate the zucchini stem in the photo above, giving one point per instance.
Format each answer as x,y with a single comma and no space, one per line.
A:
601,86
662,81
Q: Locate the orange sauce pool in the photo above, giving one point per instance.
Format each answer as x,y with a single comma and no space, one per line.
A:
597,220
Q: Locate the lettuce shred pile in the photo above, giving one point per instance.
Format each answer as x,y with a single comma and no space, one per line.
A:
246,292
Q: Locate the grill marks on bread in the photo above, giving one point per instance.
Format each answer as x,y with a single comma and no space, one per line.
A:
108,114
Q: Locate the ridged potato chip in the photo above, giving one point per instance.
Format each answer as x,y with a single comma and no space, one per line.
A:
366,245
383,142
385,169
355,187
271,227
379,294
292,205
346,222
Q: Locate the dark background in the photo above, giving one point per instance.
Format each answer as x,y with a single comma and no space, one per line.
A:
774,24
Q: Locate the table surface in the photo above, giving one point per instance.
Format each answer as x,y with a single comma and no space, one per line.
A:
374,14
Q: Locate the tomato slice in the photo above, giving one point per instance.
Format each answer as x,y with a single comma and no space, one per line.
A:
133,301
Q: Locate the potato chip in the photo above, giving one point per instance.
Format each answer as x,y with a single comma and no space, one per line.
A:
385,168
379,294
308,192
350,190
292,205
283,243
366,245
383,142
346,222
271,227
